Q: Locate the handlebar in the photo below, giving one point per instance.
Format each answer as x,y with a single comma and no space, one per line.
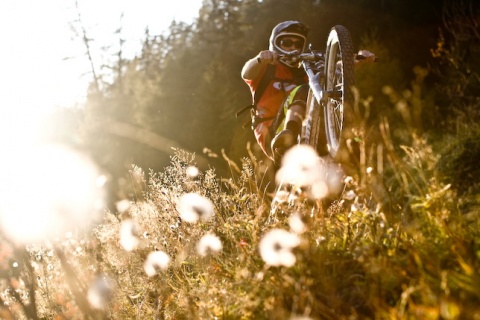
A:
310,56
362,57
294,56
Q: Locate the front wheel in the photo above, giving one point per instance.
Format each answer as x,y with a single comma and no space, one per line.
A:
339,115
314,129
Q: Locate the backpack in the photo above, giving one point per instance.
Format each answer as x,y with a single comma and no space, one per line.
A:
266,79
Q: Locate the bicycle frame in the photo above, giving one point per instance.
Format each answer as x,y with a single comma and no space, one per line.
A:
313,63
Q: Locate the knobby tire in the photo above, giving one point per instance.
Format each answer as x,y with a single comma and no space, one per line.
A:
316,137
339,114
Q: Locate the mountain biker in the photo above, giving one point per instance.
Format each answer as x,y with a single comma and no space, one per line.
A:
288,88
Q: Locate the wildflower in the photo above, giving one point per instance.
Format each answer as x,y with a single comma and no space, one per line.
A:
208,243
100,292
318,190
296,223
301,167
348,180
156,260
192,172
129,235
243,243
350,195
355,207
122,206
193,207
276,247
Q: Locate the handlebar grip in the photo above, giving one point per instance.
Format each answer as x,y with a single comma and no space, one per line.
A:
362,57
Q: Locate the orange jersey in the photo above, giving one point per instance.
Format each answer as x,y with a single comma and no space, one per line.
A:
272,99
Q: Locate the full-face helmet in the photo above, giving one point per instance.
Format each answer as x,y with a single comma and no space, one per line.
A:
292,29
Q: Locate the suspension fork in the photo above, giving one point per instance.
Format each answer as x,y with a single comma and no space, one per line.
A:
314,82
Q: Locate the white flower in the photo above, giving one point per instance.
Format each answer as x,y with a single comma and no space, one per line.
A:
193,207
129,239
281,196
318,190
156,260
100,292
192,172
209,243
348,180
123,205
304,169
276,247
350,195
296,224
301,167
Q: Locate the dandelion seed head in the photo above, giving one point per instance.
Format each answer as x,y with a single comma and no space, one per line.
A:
350,195
156,260
129,239
100,292
276,247
301,167
354,207
296,223
333,178
122,205
192,172
209,243
318,190
193,207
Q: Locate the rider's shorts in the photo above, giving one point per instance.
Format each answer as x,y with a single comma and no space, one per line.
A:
296,96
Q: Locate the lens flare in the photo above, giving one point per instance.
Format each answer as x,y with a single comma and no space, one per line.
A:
46,191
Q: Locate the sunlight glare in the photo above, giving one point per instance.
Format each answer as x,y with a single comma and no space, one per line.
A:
47,190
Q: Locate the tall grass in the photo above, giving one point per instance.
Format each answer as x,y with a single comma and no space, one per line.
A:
417,260
395,242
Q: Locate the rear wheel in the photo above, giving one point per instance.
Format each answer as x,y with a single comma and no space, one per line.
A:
339,113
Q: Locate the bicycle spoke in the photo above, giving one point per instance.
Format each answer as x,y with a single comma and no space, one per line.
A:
338,119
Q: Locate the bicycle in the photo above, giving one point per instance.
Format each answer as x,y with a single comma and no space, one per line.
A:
330,118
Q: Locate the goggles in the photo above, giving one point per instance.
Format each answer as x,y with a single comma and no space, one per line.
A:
289,42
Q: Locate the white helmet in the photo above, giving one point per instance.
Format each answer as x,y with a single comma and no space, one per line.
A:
288,28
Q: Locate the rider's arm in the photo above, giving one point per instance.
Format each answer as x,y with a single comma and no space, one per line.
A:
254,66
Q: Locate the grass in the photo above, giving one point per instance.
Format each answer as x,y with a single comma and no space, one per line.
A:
396,242
354,260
